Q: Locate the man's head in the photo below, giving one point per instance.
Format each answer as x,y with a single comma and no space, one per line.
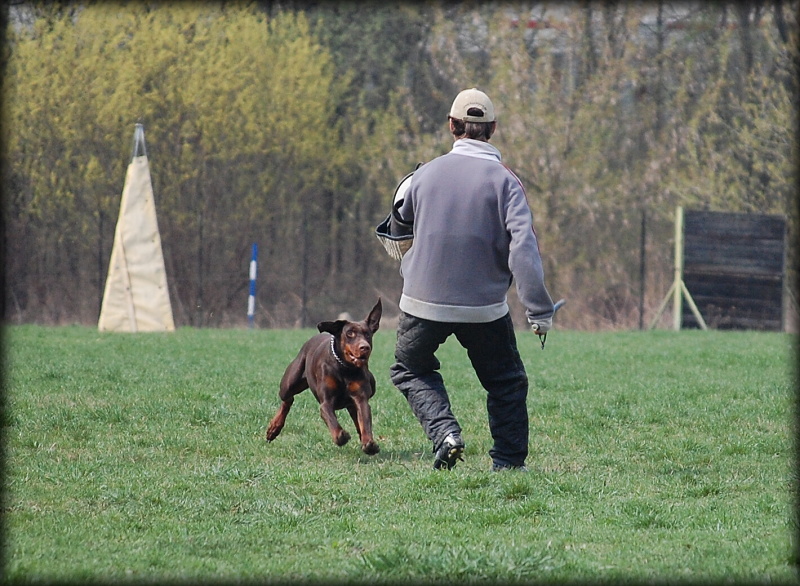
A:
472,115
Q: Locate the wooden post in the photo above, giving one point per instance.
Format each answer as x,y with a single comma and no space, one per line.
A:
677,308
678,289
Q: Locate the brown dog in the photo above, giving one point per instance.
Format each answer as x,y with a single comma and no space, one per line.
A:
334,364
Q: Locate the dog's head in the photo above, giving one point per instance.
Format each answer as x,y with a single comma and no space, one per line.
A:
353,339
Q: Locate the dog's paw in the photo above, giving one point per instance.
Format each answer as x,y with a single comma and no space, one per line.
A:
342,438
371,448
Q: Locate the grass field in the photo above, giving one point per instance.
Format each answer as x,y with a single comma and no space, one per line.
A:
654,456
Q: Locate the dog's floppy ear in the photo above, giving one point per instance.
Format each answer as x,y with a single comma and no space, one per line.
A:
332,327
374,318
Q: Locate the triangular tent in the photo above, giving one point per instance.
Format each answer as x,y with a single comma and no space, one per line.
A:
136,297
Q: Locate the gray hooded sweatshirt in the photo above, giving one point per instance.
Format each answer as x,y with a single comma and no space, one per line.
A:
473,233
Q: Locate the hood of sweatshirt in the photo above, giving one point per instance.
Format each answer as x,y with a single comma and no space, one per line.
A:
476,148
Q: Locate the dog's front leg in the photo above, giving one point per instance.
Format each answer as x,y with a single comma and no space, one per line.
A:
362,416
339,435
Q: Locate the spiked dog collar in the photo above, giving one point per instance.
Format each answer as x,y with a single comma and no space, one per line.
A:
336,356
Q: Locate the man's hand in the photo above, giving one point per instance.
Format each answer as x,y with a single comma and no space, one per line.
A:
541,327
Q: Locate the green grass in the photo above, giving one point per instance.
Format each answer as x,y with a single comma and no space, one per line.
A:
654,456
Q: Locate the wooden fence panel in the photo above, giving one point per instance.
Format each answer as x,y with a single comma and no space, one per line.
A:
733,266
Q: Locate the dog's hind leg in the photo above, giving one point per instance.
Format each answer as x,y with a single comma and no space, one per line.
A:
277,423
328,414
351,409
292,383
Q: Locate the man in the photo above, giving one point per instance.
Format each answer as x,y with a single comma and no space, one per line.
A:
473,233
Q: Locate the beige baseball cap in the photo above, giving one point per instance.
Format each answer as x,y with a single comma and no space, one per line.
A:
472,98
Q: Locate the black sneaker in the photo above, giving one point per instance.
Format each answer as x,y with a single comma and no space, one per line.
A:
504,467
449,452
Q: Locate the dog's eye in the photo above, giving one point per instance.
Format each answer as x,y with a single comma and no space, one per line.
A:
350,334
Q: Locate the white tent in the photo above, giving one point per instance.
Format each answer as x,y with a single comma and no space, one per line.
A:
136,297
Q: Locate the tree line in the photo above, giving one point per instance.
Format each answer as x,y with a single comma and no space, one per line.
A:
289,125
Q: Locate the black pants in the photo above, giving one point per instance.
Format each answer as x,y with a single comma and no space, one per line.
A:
492,349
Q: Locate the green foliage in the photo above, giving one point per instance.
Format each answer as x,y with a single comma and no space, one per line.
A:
654,455
605,124
291,126
737,153
239,114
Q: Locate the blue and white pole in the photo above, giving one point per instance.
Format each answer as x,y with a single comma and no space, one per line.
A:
251,300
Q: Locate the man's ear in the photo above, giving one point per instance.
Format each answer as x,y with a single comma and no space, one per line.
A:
332,327
374,318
